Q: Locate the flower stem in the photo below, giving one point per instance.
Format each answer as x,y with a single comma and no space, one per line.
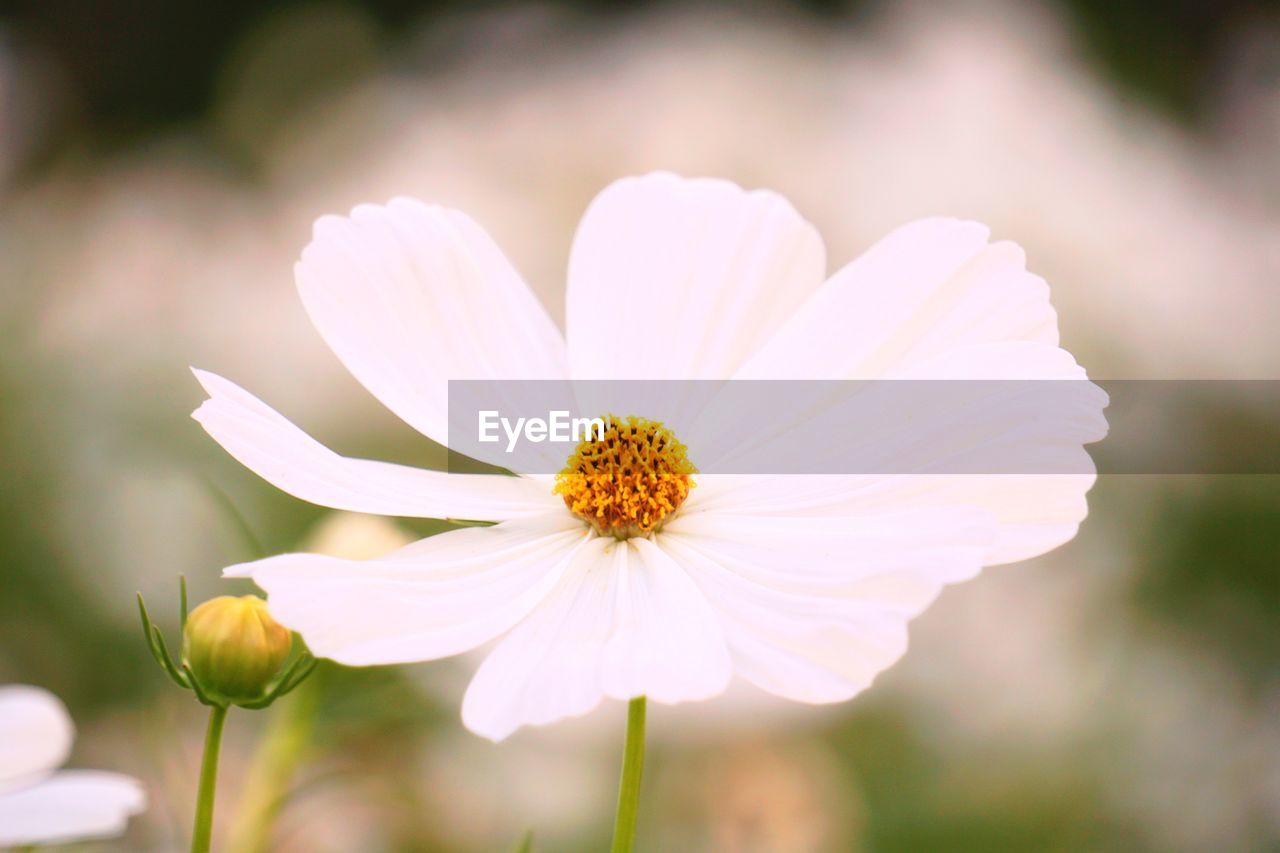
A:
203,829
624,827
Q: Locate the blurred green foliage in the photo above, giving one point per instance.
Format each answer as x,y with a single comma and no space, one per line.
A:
1212,571
46,610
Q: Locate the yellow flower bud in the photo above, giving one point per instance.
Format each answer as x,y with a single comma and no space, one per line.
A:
234,648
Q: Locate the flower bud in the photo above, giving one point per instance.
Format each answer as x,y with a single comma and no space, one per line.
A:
234,648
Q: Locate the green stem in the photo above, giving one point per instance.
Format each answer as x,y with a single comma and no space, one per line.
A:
203,830
624,827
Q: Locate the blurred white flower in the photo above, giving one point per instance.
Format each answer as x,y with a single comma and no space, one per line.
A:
639,586
40,804
355,536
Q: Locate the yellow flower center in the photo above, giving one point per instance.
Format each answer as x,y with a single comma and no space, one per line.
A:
626,483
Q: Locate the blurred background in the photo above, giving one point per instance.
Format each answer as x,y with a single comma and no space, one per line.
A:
161,163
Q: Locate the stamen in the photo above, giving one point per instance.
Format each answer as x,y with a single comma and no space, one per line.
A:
629,481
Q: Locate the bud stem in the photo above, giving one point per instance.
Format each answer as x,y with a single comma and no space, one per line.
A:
624,827
203,830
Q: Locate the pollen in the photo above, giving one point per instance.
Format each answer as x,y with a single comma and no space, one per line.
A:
627,482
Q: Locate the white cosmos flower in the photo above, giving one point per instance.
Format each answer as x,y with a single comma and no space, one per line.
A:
800,585
40,804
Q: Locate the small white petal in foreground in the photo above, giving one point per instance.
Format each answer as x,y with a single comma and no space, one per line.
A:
658,581
40,804
72,805
35,734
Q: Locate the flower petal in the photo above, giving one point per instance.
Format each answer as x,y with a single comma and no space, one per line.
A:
411,295
440,596
548,667
1029,514
35,734
932,300
624,622
702,271
72,805
926,289
814,553
266,443
667,643
813,609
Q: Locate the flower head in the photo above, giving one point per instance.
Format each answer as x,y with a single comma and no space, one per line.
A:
626,481
632,574
40,804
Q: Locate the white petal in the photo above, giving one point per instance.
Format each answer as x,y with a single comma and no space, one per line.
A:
672,278
548,667
624,622
667,643
814,609
35,734
1033,512
72,805
932,300
440,596
269,445
926,289
815,553
994,360
1029,514
411,295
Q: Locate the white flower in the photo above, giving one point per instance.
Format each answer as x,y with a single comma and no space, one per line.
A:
800,585
40,804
